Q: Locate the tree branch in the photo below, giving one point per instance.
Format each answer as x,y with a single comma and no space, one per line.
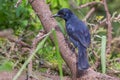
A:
17,4
89,4
8,35
35,41
109,30
89,13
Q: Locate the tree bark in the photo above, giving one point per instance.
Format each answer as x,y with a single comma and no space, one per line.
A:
45,16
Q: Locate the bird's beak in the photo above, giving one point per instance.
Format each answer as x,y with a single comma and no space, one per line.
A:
56,15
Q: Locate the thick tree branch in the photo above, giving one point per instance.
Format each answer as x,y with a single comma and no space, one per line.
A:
36,76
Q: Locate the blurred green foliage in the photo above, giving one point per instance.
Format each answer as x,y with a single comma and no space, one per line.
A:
25,24
6,65
17,18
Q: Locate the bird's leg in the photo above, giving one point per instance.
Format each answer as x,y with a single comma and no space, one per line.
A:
70,45
73,49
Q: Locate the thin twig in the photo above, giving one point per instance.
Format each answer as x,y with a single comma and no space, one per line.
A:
17,4
8,35
89,13
101,23
109,30
38,38
89,4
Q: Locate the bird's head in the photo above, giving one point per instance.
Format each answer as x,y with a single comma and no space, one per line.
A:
64,13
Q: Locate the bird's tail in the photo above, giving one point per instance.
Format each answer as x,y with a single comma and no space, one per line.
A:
83,63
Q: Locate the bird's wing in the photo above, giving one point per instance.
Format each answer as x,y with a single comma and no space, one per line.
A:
81,35
84,38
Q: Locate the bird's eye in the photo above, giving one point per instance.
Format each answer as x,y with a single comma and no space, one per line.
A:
64,14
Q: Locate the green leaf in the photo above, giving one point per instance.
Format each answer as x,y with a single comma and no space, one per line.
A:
6,66
54,3
103,54
24,23
78,2
58,55
64,3
61,28
97,0
18,11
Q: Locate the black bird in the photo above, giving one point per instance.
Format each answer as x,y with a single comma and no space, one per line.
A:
78,34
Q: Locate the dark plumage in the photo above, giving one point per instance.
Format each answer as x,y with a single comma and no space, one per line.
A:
78,34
